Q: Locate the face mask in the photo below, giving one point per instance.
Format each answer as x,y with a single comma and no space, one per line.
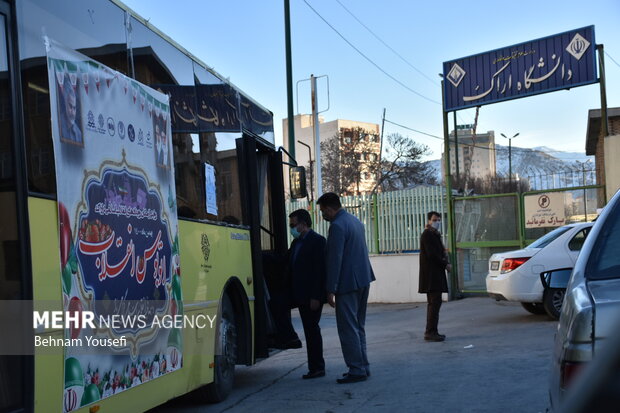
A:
436,225
295,233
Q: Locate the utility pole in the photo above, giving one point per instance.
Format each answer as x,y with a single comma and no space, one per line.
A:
289,78
510,157
316,135
380,168
381,144
601,67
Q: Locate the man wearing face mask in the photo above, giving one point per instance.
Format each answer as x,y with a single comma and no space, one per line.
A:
349,275
307,266
433,266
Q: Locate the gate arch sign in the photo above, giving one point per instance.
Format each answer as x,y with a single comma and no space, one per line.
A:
561,61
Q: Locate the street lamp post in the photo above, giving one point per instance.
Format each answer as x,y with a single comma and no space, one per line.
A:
510,157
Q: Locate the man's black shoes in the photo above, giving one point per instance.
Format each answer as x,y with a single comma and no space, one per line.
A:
295,343
347,373
351,378
313,374
434,337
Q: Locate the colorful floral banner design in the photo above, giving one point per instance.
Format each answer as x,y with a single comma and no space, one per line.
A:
118,223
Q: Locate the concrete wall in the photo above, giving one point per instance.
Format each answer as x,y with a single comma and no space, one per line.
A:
397,279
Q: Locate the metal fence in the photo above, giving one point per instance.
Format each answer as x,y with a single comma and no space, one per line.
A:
394,220
488,224
561,178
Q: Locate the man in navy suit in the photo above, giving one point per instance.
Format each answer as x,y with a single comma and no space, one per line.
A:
307,265
349,275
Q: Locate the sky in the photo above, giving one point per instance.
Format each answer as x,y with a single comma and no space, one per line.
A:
243,40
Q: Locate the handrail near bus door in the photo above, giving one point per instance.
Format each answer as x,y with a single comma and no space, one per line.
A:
278,207
289,156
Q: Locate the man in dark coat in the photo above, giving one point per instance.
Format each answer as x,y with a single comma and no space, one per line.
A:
307,266
433,266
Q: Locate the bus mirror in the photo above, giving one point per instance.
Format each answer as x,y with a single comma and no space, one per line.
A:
297,175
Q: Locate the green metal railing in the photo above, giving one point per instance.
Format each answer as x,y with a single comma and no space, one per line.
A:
394,220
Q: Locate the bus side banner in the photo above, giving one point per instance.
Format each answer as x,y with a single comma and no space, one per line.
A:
118,224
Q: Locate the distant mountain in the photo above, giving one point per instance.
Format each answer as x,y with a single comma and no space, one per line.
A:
569,156
544,167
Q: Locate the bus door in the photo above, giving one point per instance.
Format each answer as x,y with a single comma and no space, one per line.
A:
16,373
263,208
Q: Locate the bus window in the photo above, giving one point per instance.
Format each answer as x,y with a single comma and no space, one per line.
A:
155,60
191,153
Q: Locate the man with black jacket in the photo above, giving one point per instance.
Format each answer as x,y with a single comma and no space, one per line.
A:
307,266
433,266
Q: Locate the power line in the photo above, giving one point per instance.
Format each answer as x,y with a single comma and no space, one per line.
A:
368,59
612,59
387,45
414,130
494,148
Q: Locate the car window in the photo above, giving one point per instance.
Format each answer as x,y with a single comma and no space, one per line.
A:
546,239
577,241
604,260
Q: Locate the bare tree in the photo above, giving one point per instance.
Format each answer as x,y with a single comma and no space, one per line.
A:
346,159
492,185
352,157
401,167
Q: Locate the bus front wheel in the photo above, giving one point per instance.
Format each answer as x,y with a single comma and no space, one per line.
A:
224,366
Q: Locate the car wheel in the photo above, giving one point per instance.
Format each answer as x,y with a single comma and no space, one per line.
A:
224,368
552,301
534,308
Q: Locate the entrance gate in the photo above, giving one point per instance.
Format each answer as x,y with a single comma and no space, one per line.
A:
479,226
488,224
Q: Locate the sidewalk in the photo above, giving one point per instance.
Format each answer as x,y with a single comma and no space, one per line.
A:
496,358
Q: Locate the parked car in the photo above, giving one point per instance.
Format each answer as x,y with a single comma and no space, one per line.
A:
590,320
515,275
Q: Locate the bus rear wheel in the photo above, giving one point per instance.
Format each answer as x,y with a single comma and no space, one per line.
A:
224,368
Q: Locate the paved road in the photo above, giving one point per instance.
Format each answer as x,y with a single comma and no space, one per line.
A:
496,358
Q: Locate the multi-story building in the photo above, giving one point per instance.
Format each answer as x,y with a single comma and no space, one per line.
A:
345,130
476,155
